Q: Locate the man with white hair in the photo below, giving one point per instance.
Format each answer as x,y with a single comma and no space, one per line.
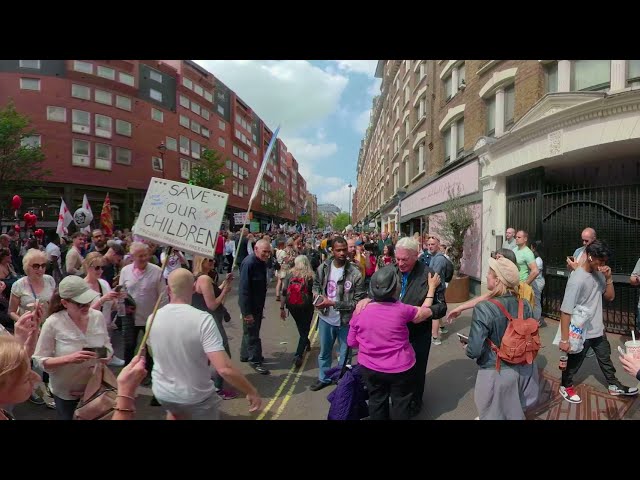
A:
414,288
184,341
510,239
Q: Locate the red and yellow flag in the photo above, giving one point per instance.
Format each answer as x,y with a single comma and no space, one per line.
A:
105,217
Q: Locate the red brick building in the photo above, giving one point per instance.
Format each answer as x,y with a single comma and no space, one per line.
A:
111,125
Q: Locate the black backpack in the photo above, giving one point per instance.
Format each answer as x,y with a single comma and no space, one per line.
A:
314,259
448,271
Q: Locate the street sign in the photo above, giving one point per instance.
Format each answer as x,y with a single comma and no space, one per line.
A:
181,215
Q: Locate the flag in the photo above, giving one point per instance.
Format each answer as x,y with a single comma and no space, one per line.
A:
64,219
105,217
263,167
87,206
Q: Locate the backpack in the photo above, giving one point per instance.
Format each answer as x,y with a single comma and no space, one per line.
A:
448,271
298,292
314,259
521,340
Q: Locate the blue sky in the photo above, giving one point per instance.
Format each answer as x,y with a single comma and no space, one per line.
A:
322,105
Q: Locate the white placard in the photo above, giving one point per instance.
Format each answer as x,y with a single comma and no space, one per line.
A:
239,218
181,215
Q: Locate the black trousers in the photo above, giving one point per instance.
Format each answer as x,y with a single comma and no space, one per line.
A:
303,317
65,408
229,262
382,386
421,343
602,349
130,334
251,346
219,262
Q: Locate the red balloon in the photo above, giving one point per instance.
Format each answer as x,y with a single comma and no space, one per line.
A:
16,227
39,233
16,201
26,217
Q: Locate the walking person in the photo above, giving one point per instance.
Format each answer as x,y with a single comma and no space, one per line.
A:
297,298
538,283
587,285
229,251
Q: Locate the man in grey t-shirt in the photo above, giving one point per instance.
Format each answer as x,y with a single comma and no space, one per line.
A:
635,281
510,239
586,287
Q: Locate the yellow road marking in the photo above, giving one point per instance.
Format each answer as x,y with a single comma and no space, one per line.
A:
286,380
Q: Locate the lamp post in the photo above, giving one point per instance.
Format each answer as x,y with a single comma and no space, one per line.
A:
162,148
349,202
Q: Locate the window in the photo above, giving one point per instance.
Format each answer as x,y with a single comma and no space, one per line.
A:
195,108
461,75
255,164
157,115
446,139
491,116
81,153
198,89
235,150
205,132
103,126
101,96
184,121
460,139
103,156
420,73
195,127
235,188
420,158
235,169
57,114
591,74
35,64
106,72
205,114
84,67
185,168
407,129
155,76
155,94
80,121
184,145
221,125
126,79
407,171
171,144
80,91
187,83
123,102
156,164
396,181
222,143
123,156
220,109
184,101
254,150
509,106
407,94
448,84
195,149
208,96
123,128
633,70
421,108
551,77
30,84
32,141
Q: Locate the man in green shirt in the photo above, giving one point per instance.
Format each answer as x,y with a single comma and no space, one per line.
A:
526,260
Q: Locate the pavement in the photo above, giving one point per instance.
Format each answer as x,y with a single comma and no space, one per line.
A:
449,387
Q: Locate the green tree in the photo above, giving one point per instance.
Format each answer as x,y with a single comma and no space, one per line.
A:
322,222
457,221
276,201
341,221
21,160
305,219
208,173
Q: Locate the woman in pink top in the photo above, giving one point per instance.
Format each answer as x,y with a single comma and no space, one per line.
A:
385,355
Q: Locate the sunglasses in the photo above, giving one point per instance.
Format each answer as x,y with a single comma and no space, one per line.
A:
80,305
37,266
98,267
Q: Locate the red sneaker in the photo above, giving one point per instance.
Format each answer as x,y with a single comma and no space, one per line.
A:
227,394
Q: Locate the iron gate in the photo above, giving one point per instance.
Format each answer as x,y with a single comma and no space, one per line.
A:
556,211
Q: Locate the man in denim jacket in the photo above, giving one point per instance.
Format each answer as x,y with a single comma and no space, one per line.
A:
341,285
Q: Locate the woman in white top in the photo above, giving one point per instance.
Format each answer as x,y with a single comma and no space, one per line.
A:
229,251
539,282
176,260
35,286
94,265
71,327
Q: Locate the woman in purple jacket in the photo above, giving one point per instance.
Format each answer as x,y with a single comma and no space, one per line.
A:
385,355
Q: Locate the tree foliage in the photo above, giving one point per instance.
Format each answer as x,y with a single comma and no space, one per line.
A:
457,221
208,173
341,221
276,202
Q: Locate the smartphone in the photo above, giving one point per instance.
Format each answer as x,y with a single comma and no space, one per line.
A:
463,338
101,352
318,300
117,288
622,352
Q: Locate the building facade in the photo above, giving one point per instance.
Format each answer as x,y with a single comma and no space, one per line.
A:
545,146
111,125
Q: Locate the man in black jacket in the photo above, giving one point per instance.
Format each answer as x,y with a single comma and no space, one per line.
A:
252,294
413,280
242,251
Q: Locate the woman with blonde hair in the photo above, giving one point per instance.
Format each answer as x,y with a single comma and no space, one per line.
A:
502,394
209,297
17,380
94,264
300,304
285,257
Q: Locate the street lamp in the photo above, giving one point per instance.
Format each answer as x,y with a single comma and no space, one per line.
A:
162,148
349,202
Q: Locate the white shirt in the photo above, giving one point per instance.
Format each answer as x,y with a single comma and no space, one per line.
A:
144,290
53,250
173,264
180,338
60,336
335,274
107,307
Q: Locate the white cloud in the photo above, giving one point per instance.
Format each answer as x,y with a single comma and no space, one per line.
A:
361,122
293,93
374,88
359,66
339,197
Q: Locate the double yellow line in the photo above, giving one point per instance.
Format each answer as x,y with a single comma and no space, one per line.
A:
312,338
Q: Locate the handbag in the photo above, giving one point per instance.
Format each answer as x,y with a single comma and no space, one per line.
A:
99,399
577,328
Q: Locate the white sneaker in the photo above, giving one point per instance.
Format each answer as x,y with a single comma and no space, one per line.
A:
116,362
436,341
570,395
616,391
444,330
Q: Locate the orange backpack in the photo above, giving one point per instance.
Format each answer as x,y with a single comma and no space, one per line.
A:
521,341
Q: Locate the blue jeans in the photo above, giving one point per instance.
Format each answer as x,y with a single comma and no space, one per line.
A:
328,335
65,408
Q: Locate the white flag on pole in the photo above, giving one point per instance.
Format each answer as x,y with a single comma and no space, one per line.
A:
263,167
87,206
64,219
